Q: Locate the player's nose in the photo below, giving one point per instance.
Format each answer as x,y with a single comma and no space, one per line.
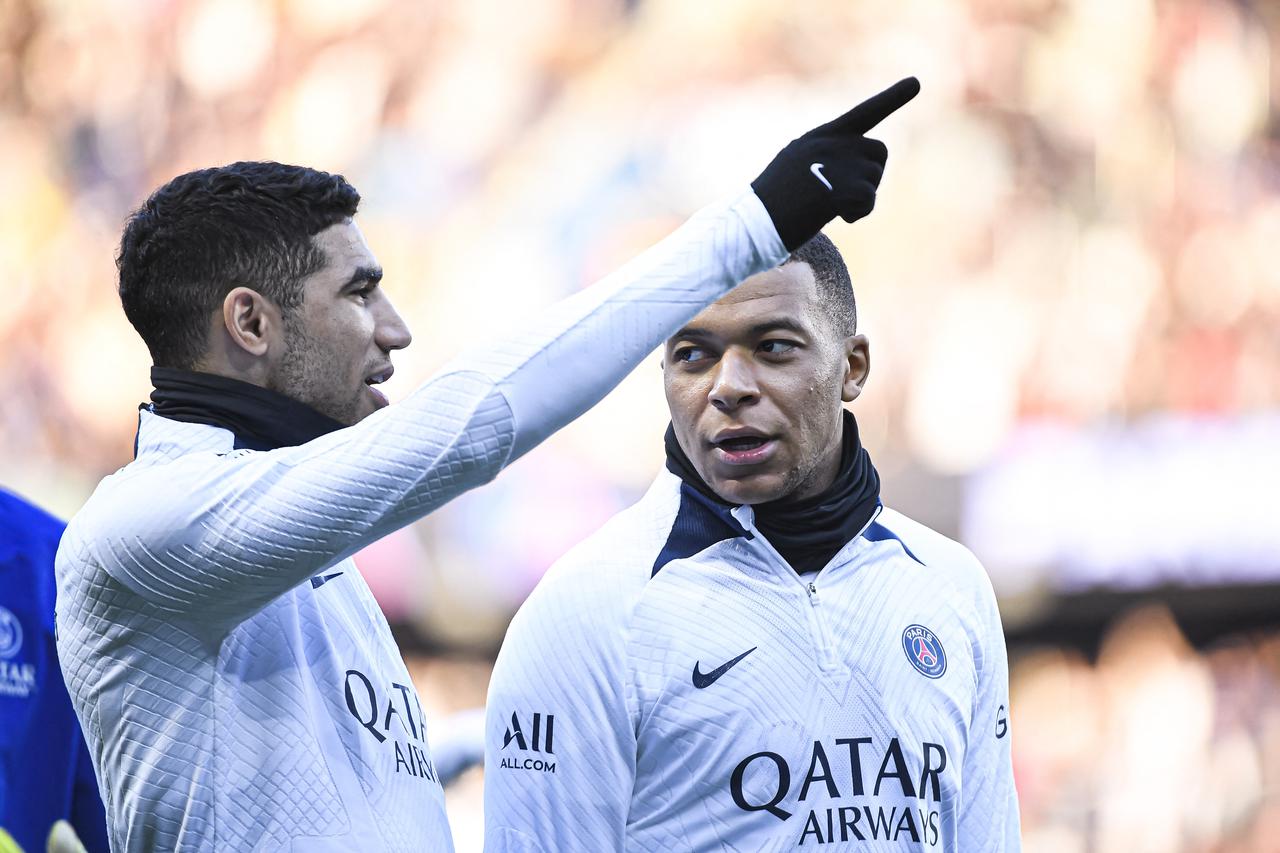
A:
734,382
391,331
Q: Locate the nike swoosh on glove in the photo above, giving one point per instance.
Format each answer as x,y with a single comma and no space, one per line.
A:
831,171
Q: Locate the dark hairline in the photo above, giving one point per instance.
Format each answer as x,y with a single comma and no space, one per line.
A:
249,224
832,280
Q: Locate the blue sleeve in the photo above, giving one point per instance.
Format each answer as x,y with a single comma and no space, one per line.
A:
45,764
88,817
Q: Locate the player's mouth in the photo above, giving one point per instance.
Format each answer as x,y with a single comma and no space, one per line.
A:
379,399
742,446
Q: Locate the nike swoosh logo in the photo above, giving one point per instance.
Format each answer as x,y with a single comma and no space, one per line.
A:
320,580
817,168
706,679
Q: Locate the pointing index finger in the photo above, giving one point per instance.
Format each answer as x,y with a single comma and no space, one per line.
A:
875,109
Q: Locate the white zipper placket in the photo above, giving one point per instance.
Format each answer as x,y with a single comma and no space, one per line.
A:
826,648
819,630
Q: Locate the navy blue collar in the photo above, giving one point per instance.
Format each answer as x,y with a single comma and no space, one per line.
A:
700,523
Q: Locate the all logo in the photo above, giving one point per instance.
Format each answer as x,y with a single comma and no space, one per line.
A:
924,651
10,634
535,740
539,737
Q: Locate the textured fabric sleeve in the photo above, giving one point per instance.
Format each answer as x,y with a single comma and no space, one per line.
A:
218,538
560,746
989,807
566,362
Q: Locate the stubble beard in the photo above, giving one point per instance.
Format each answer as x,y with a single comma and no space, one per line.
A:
309,376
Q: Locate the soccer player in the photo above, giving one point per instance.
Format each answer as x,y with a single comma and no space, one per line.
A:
237,683
46,776
758,655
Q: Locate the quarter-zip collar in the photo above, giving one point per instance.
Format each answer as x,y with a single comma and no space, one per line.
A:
808,532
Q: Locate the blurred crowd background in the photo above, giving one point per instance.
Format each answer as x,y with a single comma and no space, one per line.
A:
1070,284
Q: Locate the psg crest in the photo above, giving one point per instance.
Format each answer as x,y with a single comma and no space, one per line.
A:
924,650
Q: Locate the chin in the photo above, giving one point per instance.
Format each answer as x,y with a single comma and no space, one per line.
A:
750,490
348,415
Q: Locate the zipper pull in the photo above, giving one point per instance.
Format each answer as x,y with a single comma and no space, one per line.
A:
813,593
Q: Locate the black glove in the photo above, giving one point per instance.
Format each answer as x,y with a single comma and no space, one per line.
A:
832,170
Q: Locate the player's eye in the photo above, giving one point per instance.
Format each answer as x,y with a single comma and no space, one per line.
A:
777,347
689,354
365,292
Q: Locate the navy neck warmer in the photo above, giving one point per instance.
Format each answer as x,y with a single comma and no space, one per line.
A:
260,419
807,532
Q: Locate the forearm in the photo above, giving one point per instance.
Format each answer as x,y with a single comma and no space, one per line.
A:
570,358
491,406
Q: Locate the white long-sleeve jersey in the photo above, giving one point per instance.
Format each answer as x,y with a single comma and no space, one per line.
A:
236,681
673,685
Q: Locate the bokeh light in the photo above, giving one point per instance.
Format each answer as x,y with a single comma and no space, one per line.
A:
1070,285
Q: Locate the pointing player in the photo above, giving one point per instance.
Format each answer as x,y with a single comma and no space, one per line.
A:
237,683
758,655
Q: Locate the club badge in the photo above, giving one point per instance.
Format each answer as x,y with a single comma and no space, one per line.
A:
925,651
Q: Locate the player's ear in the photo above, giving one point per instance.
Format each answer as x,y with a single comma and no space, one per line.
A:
251,320
857,366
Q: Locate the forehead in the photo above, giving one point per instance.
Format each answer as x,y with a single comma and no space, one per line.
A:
788,291
344,248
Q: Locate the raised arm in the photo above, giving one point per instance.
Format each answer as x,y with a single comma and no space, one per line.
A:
221,538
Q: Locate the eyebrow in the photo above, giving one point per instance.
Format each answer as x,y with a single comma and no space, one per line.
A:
361,275
777,324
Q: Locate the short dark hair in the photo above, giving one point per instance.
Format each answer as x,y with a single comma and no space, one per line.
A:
249,224
835,288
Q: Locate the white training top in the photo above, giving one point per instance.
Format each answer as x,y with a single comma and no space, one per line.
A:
236,681
673,685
